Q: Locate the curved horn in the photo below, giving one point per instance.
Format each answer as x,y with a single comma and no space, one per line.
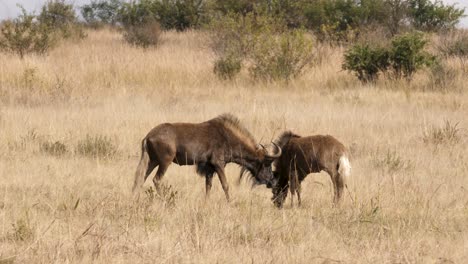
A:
275,155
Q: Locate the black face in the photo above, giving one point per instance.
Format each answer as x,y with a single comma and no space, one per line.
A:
275,179
280,190
264,174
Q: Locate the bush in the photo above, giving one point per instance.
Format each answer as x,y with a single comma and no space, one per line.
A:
96,147
242,7
273,52
137,13
166,194
281,57
171,14
60,16
455,44
433,16
24,35
450,133
407,55
366,61
227,68
392,162
56,148
442,77
101,12
234,34
458,47
181,14
144,35
333,20
140,25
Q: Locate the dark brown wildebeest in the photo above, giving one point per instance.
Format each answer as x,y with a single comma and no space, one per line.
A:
209,145
303,155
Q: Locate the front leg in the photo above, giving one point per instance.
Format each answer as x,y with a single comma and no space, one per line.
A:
292,185
223,180
208,183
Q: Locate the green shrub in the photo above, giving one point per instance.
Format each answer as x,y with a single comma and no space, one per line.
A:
24,35
101,12
235,34
407,55
60,16
96,147
137,13
139,22
227,68
242,7
144,35
272,51
181,14
335,20
171,14
394,16
343,20
366,62
281,57
433,16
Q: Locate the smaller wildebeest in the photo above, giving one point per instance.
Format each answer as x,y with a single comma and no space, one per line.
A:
304,155
210,146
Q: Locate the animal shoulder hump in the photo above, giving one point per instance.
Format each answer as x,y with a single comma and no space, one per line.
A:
232,123
285,137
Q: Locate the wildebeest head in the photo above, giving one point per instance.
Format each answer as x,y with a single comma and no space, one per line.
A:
260,169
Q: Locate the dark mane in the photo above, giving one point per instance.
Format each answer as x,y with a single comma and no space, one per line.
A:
232,123
283,139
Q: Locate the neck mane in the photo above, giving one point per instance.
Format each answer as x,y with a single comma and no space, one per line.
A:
284,139
234,128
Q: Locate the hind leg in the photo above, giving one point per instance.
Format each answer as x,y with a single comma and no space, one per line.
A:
160,174
338,186
208,184
151,167
139,181
339,189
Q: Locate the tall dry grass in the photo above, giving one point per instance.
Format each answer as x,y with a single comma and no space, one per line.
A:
407,200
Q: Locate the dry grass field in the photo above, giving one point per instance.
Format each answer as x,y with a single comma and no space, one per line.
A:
70,131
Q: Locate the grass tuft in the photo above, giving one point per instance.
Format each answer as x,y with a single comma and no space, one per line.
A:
96,147
449,133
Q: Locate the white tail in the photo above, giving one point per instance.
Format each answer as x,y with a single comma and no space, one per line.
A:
344,168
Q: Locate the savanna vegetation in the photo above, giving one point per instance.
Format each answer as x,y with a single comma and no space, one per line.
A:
81,86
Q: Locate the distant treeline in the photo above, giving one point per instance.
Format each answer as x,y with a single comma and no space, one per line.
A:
271,39
338,19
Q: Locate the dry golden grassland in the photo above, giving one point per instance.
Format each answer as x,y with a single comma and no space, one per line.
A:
70,131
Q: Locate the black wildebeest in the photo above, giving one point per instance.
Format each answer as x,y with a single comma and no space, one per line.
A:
209,145
303,155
